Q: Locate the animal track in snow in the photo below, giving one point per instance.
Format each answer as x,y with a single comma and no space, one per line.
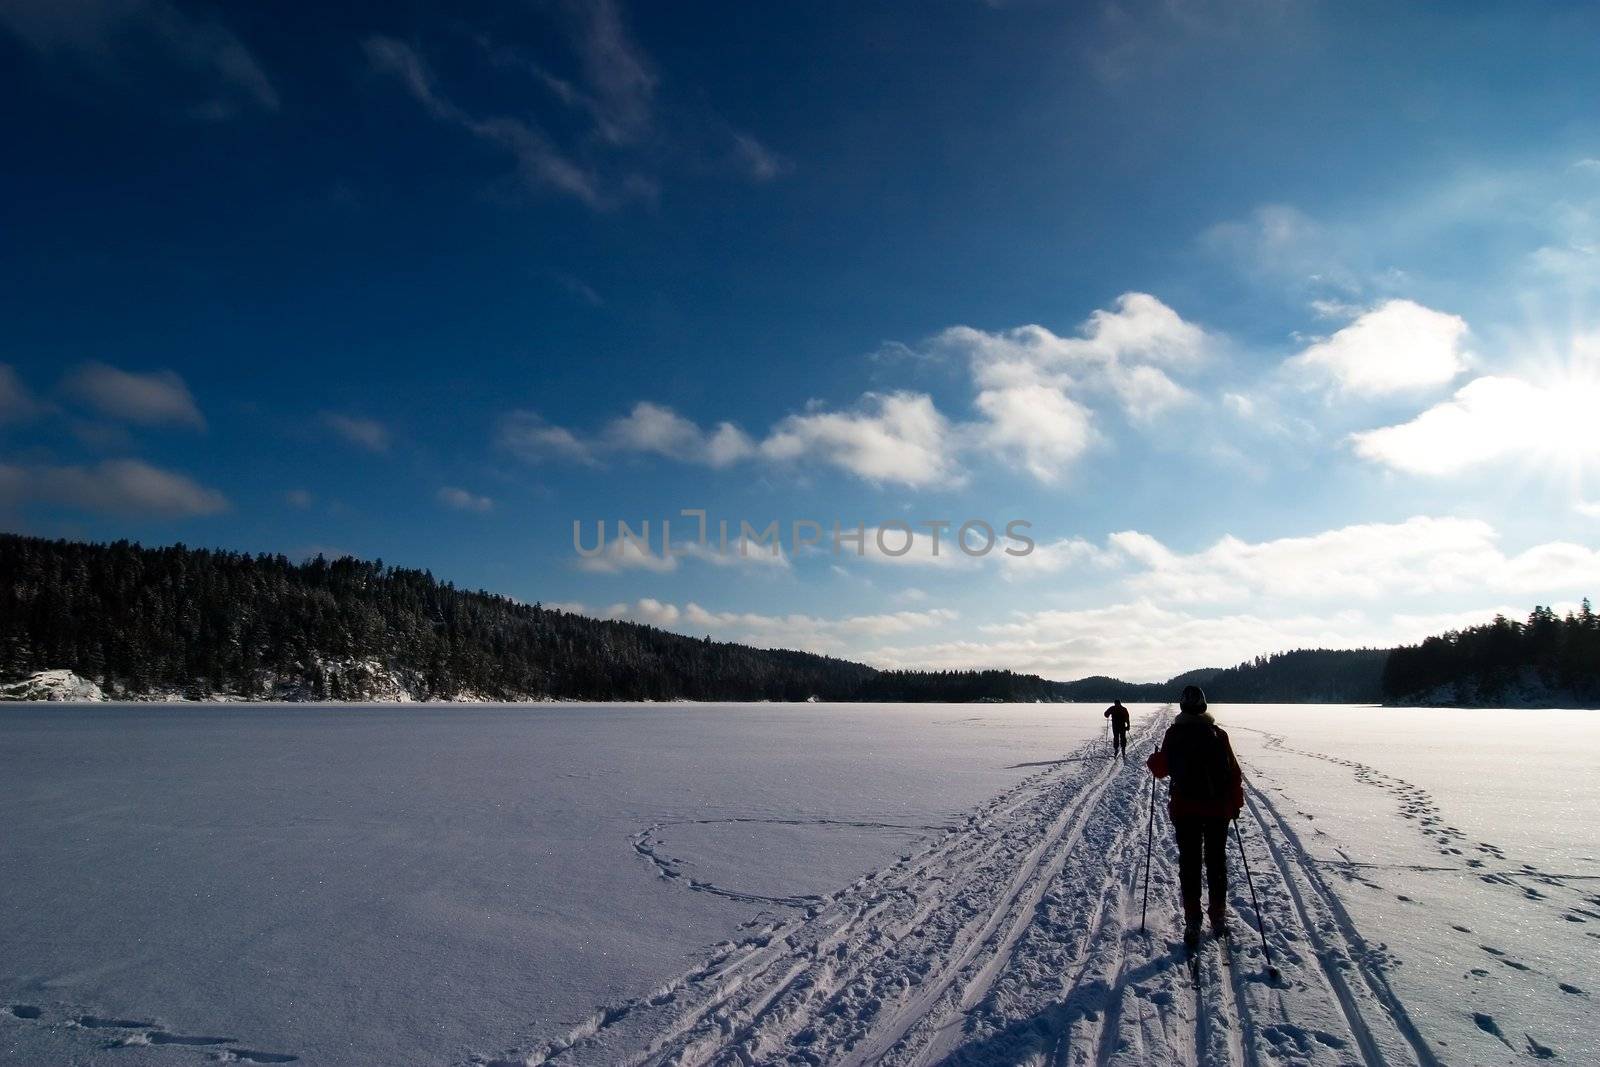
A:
1418,806
95,1022
650,843
116,1032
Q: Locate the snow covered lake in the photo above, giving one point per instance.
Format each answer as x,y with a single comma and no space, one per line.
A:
800,883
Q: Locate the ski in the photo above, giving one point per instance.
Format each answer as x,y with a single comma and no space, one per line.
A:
1191,959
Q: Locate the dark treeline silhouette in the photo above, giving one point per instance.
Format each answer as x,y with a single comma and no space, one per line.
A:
141,620
958,686
1304,676
194,622
1308,675
1548,660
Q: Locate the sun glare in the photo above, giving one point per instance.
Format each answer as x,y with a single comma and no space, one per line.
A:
1555,422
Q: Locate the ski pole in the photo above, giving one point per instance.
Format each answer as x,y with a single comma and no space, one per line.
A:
1272,972
1149,841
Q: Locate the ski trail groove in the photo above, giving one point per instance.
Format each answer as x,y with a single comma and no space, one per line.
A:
1011,938
1023,914
843,972
1103,816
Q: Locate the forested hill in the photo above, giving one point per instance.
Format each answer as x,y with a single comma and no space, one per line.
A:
195,622
188,622
1548,661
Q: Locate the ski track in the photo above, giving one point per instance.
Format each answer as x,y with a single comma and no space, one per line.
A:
1013,938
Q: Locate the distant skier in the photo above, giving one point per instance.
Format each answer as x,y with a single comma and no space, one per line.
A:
1207,792
1119,728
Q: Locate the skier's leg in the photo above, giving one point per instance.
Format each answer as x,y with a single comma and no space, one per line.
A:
1190,833
1216,847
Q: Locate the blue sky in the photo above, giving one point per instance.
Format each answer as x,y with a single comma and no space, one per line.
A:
1277,321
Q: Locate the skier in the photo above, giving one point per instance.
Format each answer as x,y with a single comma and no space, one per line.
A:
1207,792
1119,728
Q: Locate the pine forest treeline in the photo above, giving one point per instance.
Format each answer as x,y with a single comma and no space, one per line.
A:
202,622
194,622
1548,660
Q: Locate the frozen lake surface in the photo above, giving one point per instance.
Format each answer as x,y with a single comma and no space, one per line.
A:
801,883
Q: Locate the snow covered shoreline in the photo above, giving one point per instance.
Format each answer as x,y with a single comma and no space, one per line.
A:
362,682
387,687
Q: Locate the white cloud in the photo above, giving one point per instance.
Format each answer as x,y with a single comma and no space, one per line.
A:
1240,404
369,434
638,551
1131,41
116,487
540,163
1037,426
1489,419
16,402
622,84
1141,328
741,552
533,440
649,428
756,159
647,610
627,554
453,497
1397,347
1029,384
1146,392
653,428
1068,553
298,498
927,543
151,399
114,37
1281,243
1422,556
1139,331
1334,589
1142,641
896,438
892,545
842,635
593,131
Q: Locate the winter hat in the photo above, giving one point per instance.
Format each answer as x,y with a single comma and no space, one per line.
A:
1193,699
